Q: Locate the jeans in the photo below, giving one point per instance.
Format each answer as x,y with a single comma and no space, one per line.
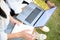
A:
9,30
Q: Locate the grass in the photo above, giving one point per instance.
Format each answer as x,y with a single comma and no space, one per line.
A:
54,24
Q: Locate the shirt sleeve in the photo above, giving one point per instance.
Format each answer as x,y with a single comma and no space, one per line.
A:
15,5
5,7
3,36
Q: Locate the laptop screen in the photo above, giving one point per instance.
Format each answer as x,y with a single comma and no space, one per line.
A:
33,15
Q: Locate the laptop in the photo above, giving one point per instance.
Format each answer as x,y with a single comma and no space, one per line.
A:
34,15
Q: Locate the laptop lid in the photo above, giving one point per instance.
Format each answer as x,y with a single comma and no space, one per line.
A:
45,17
30,14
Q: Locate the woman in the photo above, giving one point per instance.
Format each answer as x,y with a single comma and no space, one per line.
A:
4,20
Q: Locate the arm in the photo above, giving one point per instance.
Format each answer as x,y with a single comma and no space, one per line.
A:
14,35
50,4
23,34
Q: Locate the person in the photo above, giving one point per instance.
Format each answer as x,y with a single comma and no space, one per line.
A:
38,35
50,5
46,5
4,20
15,22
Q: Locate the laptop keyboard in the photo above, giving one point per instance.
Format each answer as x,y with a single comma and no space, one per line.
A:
33,15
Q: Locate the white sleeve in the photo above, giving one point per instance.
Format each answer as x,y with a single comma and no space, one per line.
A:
3,36
15,5
5,7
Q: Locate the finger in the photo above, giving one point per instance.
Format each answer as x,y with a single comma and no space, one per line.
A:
29,39
30,35
27,30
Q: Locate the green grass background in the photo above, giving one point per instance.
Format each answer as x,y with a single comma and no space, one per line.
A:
53,24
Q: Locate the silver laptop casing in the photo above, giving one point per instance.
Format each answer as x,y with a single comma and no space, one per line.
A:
35,16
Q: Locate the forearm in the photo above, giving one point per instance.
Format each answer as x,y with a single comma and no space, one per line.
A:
14,35
24,34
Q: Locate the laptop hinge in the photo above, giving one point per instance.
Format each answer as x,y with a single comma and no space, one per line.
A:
38,18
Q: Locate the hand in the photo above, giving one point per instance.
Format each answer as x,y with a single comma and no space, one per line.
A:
14,21
26,35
